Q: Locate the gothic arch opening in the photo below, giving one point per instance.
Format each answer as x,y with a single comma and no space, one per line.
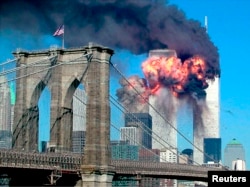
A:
75,126
44,119
79,119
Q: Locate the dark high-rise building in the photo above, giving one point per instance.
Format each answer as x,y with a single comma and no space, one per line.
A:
142,121
212,150
189,153
43,146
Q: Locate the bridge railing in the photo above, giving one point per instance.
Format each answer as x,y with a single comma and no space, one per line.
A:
67,162
71,162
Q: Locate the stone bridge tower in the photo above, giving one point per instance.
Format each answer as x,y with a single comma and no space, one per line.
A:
62,70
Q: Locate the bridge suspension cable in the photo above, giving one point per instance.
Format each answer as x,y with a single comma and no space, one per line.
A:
8,61
22,67
36,62
169,123
144,128
36,72
45,69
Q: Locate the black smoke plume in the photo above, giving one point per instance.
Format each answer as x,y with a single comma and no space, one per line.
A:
135,25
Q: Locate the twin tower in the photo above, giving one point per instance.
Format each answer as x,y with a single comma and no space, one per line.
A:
205,113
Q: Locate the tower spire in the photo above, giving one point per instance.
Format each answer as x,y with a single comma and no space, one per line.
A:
206,23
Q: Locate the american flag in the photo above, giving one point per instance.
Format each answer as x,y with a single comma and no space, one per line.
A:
59,31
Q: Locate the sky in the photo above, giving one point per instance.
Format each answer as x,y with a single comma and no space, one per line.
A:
228,30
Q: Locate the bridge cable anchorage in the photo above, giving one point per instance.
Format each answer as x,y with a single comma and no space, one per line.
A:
169,123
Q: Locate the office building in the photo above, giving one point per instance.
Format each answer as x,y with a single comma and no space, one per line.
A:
124,150
152,155
5,114
234,150
169,155
212,150
78,141
143,123
163,115
79,120
131,135
239,165
206,119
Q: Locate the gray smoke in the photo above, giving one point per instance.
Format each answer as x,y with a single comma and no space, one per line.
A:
133,94
135,25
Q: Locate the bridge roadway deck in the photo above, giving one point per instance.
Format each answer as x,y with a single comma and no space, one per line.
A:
70,163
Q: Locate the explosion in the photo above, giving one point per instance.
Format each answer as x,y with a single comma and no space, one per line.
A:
188,77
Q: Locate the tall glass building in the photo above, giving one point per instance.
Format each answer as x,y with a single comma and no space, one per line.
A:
79,120
143,124
234,150
212,150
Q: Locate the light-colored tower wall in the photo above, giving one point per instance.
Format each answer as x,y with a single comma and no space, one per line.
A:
131,135
79,110
206,119
5,114
79,120
5,105
163,111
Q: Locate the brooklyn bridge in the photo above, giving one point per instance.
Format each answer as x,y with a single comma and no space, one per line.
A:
62,71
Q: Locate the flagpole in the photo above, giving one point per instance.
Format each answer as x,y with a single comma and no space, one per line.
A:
60,32
63,38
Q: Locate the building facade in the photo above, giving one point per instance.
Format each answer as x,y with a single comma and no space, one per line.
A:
131,135
5,114
164,120
169,155
123,150
79,120
234,150
143,123
206,119
212,150
152,155
239,165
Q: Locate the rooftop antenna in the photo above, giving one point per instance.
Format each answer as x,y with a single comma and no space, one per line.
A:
206,24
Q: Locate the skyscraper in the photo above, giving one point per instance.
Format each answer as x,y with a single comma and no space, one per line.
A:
234,150
5,114
79,120
212,150
142,121
130,135
206,119
164,134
